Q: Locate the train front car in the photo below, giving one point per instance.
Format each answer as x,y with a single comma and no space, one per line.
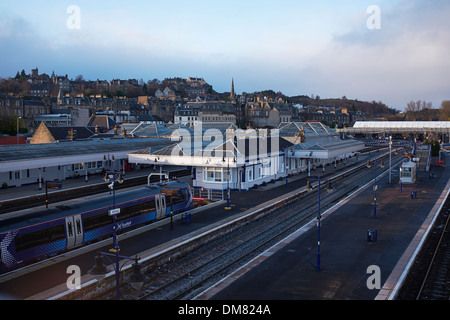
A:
46,233
178,197
31,238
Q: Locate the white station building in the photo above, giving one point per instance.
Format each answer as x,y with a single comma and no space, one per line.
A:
241,159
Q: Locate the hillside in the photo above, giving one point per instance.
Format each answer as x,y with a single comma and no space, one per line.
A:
370,108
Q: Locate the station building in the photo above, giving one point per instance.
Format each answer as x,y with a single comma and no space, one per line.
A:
36,163
242,159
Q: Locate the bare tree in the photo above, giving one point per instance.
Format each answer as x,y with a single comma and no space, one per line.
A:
444,112
418,109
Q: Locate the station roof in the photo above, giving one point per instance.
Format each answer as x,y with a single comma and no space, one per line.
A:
246,146
326,144
400,126
312,130
189,153
16,157
325,148
155,130
167,131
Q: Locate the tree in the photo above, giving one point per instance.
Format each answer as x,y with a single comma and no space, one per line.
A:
444,111
8,123
418,110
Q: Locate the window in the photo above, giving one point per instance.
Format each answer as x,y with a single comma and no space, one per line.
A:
215,175
37,238
14,175
136,210
250,174
97,221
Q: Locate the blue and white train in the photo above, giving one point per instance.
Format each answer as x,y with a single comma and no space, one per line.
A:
45,233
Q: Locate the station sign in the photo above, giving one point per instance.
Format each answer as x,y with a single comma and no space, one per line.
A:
114,212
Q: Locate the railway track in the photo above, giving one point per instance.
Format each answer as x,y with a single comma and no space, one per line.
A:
191,274
63,195
429,277
436,285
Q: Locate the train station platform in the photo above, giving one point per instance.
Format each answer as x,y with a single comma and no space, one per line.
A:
349,263
43,283
289,273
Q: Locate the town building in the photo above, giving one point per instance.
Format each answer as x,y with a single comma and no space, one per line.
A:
205,111
263,113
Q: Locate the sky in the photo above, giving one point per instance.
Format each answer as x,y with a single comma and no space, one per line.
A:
391,51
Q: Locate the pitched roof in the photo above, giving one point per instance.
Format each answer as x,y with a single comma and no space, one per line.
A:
79,133
102,121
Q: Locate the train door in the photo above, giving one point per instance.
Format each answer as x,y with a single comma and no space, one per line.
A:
163,206
74,231
160,201
158,206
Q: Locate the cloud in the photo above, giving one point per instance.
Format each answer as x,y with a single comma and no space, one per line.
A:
406,59
308,48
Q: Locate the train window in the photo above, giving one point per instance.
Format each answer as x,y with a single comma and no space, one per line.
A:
97,221
78,226
69,229
136,210
174,197
129,212
33,239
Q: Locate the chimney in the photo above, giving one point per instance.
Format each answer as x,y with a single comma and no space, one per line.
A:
71,134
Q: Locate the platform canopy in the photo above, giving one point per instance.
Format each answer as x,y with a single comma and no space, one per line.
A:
293,131
231,152
442,127
325,148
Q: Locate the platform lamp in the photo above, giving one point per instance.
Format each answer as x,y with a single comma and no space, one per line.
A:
390,158
375,186
114,212
17,136
401,187
319,215
228,181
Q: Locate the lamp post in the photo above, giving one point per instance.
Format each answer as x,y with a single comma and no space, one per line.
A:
401,179
114,212
375,186
390,158
319,215
228,182
17,136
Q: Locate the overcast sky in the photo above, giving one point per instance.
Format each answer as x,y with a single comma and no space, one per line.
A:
297,47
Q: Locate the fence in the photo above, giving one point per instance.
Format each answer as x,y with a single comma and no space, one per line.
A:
213,195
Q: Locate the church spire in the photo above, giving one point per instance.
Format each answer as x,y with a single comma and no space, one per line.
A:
232,94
